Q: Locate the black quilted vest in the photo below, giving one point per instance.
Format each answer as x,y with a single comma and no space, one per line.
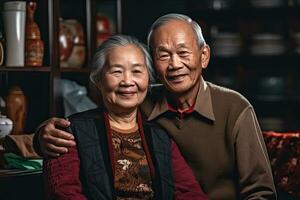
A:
95,165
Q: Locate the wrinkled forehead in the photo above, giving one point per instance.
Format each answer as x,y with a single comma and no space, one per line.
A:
170,31
173,34
125,54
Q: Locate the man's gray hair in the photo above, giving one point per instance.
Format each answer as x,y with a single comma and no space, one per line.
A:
100,56
171,17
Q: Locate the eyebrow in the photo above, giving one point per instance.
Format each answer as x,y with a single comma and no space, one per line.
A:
115,65
121,66
139,65
181,45
162,48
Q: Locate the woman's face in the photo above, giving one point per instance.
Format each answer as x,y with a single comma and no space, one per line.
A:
125,79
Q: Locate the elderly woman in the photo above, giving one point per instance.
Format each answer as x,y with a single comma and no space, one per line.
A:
117,155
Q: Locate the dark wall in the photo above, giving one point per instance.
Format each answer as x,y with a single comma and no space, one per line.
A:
138,15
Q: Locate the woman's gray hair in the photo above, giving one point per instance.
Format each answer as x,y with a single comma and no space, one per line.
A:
100,56
171,17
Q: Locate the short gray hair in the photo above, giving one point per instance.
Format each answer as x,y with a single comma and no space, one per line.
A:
99,60
171,17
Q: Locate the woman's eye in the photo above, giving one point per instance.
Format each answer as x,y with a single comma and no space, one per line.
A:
139,71
117,72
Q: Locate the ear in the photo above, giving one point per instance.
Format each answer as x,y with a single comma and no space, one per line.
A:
205,56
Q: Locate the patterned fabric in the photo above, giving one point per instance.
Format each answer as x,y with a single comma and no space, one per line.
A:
132,173
284,152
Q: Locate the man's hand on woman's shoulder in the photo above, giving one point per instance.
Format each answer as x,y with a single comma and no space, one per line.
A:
52,138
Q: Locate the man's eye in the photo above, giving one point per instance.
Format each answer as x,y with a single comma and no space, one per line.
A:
183,53
163,56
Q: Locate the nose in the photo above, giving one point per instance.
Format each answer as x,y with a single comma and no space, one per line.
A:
127,79
175,62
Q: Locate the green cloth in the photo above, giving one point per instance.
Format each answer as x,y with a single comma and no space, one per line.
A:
15,161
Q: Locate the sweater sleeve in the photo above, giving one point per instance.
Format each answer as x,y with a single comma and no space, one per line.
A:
255,174
186,185
61,177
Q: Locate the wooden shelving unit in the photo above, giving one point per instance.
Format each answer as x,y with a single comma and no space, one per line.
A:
42,84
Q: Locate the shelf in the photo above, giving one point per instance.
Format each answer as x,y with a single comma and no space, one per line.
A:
269,12
44,69
278,98
5,173
25,69
259,60
84,70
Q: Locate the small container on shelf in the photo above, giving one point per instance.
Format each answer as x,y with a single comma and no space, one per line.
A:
226,44
6,125
296,39
271,123
16,105
220,4
271,85
14,17
71,43
104,28
34,46
267,44
225,40
108,14
266,3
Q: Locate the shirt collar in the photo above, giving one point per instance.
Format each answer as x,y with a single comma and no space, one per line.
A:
203,104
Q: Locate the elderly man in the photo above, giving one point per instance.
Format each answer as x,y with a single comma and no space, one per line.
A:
215,128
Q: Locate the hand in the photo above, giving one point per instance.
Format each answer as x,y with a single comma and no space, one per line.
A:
53,140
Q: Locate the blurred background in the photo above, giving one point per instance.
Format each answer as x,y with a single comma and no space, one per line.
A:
47,46
255,47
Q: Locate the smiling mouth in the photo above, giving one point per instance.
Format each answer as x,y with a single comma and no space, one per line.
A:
176,78
126,93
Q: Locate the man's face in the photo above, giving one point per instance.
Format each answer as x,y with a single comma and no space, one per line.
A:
177,57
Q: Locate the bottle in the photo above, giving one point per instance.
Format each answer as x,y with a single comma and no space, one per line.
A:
14,16
34,46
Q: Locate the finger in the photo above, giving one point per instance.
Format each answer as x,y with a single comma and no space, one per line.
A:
55,149
60,122
55,132
62,134
49,154
58,141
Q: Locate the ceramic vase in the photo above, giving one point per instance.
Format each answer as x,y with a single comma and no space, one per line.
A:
72,44
103,27
14,15
16,109
34,46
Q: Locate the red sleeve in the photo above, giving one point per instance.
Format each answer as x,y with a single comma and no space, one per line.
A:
61,177
186,185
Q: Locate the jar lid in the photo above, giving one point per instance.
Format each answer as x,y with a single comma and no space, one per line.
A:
4,120
14,6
